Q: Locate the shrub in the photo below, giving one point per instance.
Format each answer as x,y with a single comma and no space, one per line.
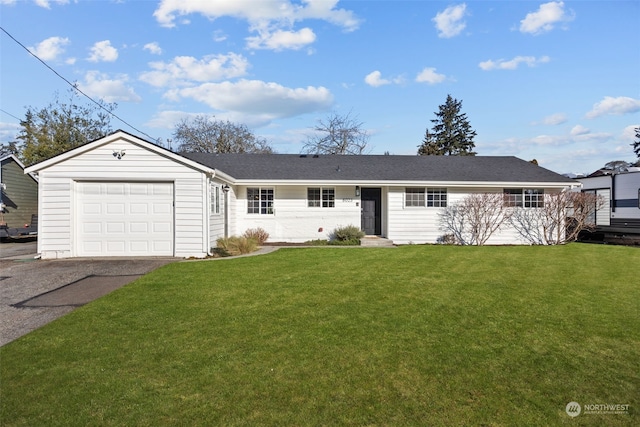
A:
350,242
348,233
257,234
317,242
234,245
447,239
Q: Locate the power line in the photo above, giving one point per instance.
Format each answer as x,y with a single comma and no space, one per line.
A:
9,114
75,87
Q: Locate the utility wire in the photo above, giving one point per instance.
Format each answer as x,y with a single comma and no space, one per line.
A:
76,88
10,115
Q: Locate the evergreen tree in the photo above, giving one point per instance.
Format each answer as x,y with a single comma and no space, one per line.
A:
451,134
59,127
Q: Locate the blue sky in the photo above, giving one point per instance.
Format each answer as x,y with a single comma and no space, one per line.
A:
555,81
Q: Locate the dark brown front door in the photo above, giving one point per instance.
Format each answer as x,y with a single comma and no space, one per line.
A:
371,222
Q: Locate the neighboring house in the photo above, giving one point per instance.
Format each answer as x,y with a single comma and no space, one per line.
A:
19,193
122,196
621,193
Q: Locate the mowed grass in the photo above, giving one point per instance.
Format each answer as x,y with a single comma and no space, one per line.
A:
418,335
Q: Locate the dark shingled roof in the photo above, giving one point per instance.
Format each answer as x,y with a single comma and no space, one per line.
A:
376,168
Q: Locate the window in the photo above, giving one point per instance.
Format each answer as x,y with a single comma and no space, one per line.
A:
260,201
321,197
437,197
513,197
534,198
528,197
414,197
215,199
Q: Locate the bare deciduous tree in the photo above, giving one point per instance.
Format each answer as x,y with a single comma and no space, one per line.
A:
337,135
474,220
204,134
563,216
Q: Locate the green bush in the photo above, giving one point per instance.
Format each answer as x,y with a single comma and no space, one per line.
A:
350,242
257,234
235,245
348,233
317,242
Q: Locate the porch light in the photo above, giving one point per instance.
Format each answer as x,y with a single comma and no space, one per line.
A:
226,188
357,191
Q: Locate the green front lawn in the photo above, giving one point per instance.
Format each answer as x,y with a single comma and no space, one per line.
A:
419,335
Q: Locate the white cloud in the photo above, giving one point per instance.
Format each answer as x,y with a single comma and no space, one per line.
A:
553,120
254,97
512,64
271,19
579,130
629,133
219,36
614,106
254,11
49,49
99,85
168,118
103,52
184,69
450,22
429,75
579,135
153,48
281,39
9,131
47,3
545,18
375,79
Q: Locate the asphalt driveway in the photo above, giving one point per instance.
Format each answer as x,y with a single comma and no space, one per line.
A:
34,292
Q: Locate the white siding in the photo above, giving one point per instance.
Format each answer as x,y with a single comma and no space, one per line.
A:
422,224
58,200
293,220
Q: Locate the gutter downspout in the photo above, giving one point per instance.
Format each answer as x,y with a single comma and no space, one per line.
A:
225,190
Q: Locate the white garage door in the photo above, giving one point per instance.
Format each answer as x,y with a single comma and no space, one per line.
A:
125,219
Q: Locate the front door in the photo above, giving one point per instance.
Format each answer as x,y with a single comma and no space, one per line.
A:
371,221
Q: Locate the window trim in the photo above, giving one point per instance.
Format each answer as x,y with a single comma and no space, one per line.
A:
527,198
321,201
438,192
215,205
416,198
265,205
426,197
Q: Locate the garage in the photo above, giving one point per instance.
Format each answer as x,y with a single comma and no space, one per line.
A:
122,196
125,219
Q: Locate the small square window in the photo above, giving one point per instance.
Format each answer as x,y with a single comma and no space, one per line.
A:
414,197
436,197
260,201
321,197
